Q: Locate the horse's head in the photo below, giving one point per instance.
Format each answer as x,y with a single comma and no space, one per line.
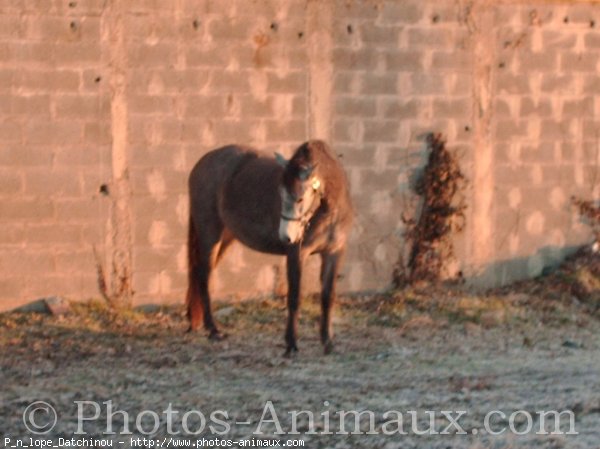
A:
301,193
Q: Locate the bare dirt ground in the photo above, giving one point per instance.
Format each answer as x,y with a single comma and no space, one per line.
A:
431,350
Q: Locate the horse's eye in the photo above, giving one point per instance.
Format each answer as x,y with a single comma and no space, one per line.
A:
299,200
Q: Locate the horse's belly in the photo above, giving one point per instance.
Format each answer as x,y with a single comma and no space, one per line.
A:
253,226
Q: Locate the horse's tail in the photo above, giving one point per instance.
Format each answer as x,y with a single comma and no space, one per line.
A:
193,300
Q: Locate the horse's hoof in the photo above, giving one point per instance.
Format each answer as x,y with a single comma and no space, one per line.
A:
290,352
328,348
216,336
190,329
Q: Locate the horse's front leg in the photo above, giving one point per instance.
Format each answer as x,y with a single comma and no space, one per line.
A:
294,274
329,268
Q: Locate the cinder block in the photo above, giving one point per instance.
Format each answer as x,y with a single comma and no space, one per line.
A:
286,131
578,108
52,183
81,106
358,10
223,29
13,234
49,80
455,108
591,129
380,131
345,130
376,180
233,130
590,153
346,82
398,108
7,79
291,82
76,210
544,61
299,106
509,175
579,14
404,61
558,40
11,27
49,235
51,28
20,261
430,37
405,12
507,130
10,132
560,84
361,156
373,84
531,108
456,61
11,182
502,108
592,41
506,152
11,291
578,62
567,152
557,130
24,156
376,36
97,133
542,153
150,56
508,83
355,106
354,59
227,82
147,259
77,54
425,84
152,104
54,133
31,105
200,57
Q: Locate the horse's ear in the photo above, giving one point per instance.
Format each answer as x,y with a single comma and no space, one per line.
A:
305,172
281,160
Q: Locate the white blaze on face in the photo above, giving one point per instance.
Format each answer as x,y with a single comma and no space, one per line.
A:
294,213
290,231
290,226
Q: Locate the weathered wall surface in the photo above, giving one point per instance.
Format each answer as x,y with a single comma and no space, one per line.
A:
55,147
106,105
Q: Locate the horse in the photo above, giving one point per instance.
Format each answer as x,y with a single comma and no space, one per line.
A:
293,208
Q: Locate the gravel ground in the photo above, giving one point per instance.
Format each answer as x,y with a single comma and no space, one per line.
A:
165,379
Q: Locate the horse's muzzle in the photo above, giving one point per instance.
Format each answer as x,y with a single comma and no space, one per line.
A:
290,231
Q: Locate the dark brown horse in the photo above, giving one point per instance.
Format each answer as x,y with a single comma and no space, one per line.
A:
293,208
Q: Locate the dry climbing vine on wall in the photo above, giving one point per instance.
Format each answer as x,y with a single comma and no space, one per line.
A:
591,212
429,234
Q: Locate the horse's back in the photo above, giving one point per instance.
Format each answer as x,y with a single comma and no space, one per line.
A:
219,164
210,173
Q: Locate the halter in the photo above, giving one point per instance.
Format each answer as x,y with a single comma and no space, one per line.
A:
306,216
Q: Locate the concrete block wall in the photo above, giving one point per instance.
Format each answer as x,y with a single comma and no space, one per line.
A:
544,133
55,150
106,105
201,75
402,69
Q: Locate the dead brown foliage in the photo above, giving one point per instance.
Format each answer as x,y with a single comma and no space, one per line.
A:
442,213
591,213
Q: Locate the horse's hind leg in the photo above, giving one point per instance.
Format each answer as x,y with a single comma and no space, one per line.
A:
193,300
204,252
330,263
